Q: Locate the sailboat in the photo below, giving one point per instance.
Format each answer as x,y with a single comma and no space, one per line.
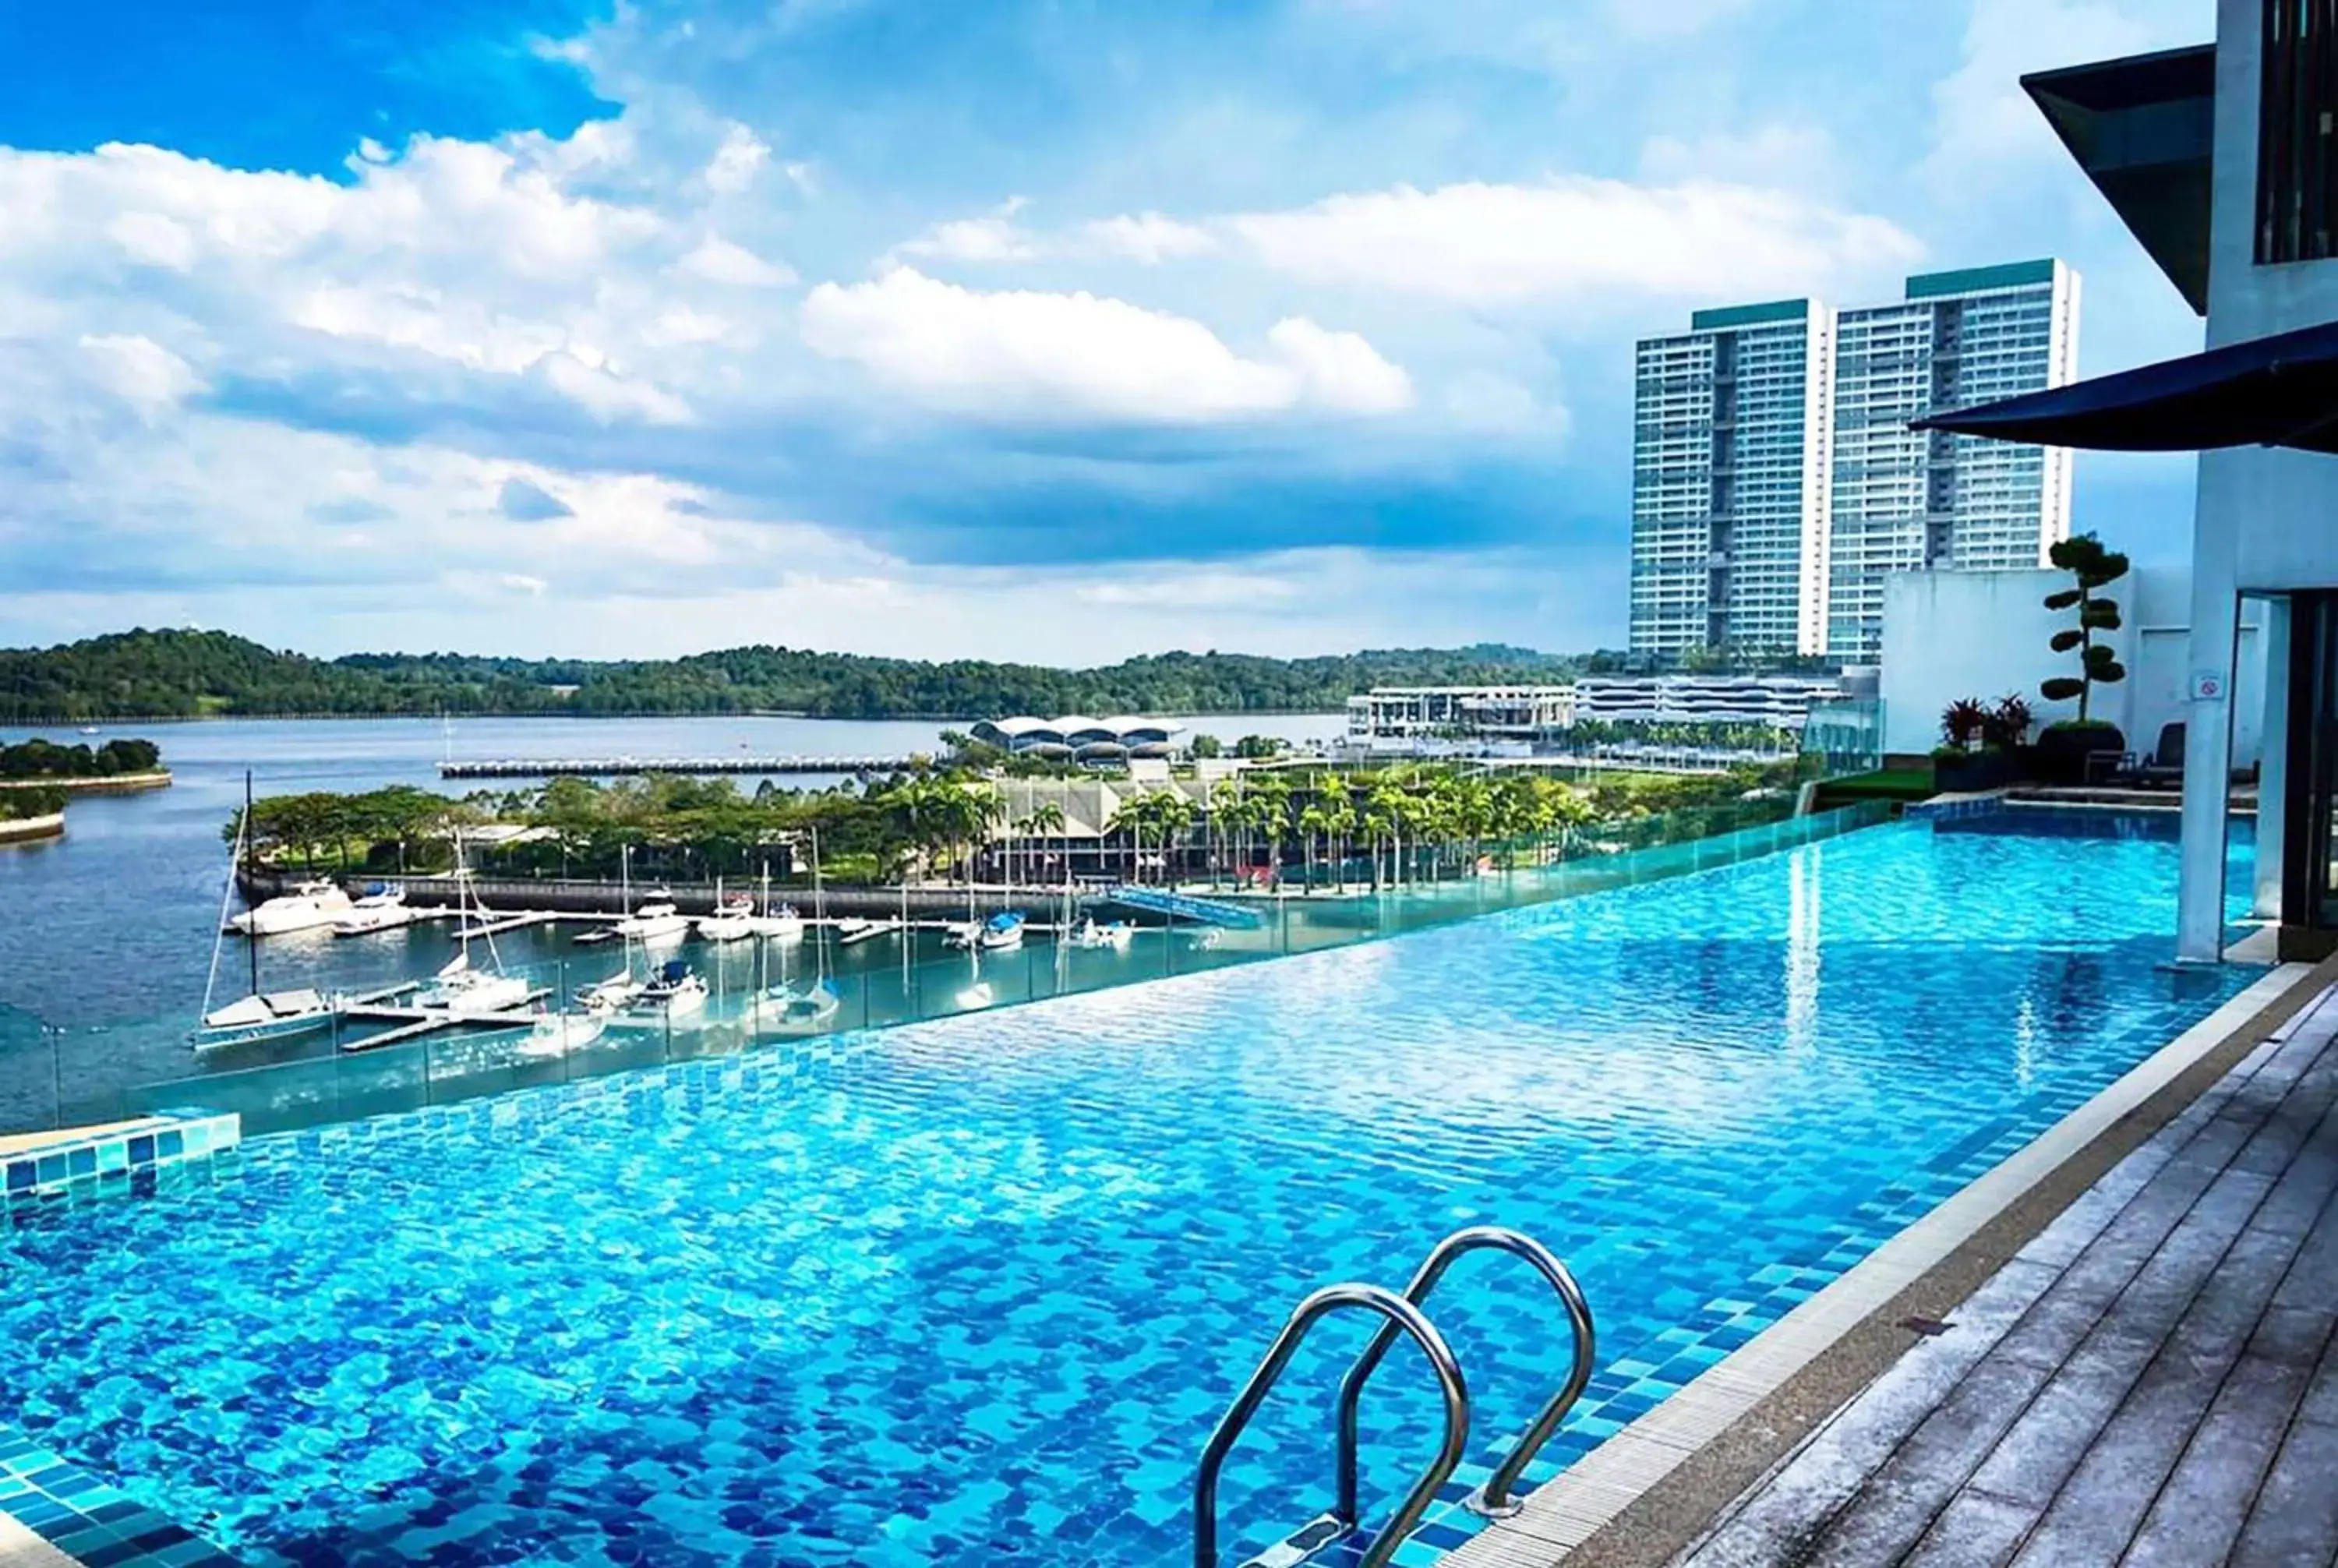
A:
259,1015
1117,935
458,988
802,1009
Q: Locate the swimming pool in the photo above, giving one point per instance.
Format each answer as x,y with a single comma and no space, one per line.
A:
974,1292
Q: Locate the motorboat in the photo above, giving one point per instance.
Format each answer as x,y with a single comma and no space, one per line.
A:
460,988
1115,934
674,993
1002,933
306,906
780,925
271,1016
791,1009
963,935
855,928
382,907
657,921
733,920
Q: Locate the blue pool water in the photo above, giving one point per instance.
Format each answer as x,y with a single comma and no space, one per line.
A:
973,1292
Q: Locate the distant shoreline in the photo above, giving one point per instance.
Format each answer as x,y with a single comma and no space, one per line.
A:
96,784
32,829
82,720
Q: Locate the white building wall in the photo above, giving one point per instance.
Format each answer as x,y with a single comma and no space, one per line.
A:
1986,634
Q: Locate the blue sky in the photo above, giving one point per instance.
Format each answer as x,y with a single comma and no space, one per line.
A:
1048,328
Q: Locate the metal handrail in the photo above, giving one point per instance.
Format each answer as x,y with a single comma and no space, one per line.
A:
1403,1318
1495,1499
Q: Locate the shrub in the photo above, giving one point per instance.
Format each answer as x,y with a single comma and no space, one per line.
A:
1963,722
2085,557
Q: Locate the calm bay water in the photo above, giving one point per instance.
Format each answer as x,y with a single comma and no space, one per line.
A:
114,922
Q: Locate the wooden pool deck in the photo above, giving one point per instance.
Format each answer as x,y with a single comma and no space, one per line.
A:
2152,1381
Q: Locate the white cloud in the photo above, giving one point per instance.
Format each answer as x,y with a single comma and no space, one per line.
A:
1782,157
1985,127
1027,354
609,396
1573,241
993,239
153,239
736,161
1147,237
140,371
718,260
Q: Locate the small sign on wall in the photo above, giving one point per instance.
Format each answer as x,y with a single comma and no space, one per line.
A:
2207,686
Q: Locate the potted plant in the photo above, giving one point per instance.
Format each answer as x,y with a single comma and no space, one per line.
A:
2064,745
1969,757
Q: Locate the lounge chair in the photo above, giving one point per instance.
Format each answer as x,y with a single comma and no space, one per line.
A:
2164,769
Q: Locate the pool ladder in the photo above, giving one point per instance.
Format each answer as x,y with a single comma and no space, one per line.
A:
1402,1315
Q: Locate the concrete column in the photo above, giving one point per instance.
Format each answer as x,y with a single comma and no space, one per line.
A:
2208,747
2273,767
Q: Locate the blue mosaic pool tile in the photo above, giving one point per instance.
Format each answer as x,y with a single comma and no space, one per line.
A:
86,1516
110,1164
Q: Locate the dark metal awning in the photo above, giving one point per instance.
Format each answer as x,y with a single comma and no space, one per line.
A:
2143,129
2279,391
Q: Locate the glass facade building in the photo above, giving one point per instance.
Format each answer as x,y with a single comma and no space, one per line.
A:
1775,482
1729,481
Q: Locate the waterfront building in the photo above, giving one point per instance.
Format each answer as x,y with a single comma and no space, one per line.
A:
1775,484
1399,718
1780,701
1729,482
1904,500
1076,738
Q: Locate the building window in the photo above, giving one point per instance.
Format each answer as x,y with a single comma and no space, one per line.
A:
2295,110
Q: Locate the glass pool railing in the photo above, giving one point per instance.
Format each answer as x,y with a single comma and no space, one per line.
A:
371,1061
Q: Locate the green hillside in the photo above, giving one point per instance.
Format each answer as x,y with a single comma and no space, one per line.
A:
182,674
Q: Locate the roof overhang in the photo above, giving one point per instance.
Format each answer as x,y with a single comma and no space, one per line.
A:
2143,129
2277,391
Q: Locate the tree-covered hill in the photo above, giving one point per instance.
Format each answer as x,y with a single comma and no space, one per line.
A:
181,674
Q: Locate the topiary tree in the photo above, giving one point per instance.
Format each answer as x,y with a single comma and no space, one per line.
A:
2085,557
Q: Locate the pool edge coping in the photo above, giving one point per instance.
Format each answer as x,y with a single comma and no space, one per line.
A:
1650,1491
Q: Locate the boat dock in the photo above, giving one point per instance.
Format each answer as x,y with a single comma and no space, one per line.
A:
623,767
418,1021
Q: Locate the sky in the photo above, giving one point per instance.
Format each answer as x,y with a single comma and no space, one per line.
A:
1044,330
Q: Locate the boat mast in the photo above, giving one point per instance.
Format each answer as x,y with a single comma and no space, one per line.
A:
251,937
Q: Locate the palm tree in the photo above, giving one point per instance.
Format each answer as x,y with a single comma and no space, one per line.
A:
1044,819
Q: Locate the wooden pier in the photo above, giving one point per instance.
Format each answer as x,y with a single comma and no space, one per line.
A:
623,767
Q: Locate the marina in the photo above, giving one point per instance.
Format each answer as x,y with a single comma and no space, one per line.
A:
628,766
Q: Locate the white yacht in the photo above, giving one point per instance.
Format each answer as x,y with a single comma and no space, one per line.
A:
733,920
382,908
657,921
1000,933
854,928
306,906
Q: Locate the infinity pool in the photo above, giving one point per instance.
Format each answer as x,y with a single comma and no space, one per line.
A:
974,1292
